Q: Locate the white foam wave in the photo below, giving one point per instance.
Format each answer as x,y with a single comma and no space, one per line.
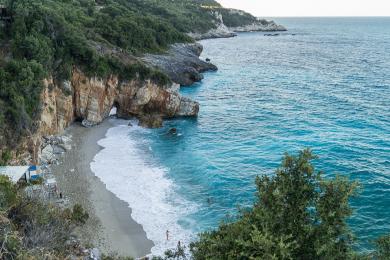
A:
122,166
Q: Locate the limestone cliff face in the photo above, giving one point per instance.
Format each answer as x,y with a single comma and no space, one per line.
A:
90,100
224,31
57,109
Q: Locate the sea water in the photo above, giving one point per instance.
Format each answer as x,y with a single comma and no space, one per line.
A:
324,84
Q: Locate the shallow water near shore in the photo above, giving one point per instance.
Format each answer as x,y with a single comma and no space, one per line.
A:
324,84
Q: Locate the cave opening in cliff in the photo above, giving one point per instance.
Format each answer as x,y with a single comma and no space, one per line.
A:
114,109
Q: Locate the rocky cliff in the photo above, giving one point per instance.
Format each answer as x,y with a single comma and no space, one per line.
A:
90,101
181,63
225,30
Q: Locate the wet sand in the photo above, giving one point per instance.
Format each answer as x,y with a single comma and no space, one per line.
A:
110,226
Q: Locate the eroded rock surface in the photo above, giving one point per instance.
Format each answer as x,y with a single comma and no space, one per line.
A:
181,63
91,99
150,121
223,31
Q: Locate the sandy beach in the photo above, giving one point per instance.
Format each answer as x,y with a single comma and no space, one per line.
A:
110,226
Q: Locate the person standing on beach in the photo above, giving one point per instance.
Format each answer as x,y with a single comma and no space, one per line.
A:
167,233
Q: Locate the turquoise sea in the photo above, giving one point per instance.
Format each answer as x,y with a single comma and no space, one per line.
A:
324,84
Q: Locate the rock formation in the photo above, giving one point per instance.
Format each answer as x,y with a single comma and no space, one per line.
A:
261,25
223,31
91,99
181,63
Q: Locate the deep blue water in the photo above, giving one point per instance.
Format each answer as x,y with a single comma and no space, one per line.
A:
327,87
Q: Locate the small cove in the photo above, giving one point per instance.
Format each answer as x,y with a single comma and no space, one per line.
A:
324,84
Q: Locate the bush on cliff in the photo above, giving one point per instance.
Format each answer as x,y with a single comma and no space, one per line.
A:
34,229
20,89
298,215
8,194
383,248
232,19
47,38
5,156
77,215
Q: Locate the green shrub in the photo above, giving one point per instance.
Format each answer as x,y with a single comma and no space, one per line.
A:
50,37
38,181
79,215
42,225
10,241
233,19
8,194
383,248
20,89
298,215
5,157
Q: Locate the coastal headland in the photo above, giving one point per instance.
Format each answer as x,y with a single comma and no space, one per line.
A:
80,69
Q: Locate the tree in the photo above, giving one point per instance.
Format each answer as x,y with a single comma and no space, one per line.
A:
8,194
383,248
298,215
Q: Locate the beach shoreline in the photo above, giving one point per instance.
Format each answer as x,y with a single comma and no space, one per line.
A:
110,226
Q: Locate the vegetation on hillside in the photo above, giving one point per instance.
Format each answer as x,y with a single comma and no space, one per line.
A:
33,229
298,215
49,37
231,19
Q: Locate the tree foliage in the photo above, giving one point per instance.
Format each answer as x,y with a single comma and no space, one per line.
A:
49,37
35,229
232,18
8,194
20,89
298,215
383,248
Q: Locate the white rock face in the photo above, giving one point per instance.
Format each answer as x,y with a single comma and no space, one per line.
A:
271,26
47,155
222,31
174,88
187,107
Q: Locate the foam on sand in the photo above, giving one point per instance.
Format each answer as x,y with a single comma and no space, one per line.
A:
128,172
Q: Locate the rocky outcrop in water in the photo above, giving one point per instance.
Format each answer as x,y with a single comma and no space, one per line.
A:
181,63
